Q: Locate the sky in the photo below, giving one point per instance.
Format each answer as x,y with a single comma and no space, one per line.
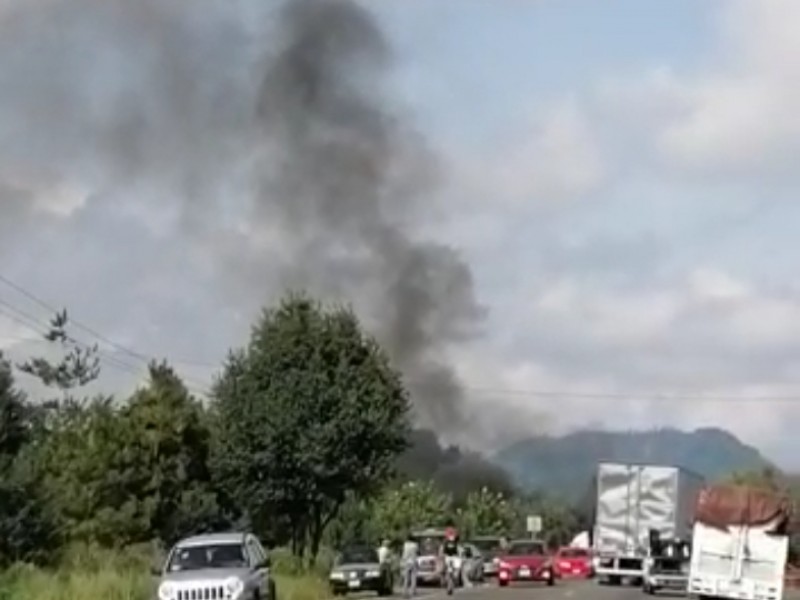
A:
616,175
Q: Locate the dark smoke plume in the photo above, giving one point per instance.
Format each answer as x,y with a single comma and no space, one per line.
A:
275,145
349,179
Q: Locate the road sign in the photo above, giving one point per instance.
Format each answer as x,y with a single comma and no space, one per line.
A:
534,524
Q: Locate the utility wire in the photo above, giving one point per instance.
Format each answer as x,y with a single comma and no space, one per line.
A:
645,396
31,322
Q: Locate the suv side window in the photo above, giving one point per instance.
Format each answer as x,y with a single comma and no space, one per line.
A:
253,549
260,549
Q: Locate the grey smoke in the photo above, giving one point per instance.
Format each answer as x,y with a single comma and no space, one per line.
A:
349,175
218,114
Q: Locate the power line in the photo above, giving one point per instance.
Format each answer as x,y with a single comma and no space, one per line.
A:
31,322
646,396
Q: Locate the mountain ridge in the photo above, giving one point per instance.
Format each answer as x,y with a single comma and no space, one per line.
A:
565,465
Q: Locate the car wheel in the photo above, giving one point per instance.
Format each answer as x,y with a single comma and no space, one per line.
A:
551,582
502,583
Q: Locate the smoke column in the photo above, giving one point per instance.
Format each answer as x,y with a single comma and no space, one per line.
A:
264,142
350,175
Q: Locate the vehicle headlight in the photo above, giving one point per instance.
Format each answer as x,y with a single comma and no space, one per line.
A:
234,587
166,591
337,575
375,573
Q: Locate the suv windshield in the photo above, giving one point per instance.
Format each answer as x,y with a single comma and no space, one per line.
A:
429,546
350,556
526,549
212,556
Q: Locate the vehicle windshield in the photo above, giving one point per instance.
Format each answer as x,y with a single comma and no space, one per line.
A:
487,545
573,553
211,556
526,549
362,554
429,546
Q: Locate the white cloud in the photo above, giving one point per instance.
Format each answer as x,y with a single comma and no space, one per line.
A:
735,117
551,160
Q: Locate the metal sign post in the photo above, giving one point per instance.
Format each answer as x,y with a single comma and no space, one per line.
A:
534,524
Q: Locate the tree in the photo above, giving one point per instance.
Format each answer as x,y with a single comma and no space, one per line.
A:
309,412
169,430
560,521
14,417
79,365
122,474
25,533
487,512
412,505
767,479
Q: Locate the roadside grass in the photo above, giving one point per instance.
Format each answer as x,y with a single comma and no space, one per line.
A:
90,574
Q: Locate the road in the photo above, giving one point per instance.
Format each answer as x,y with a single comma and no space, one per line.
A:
563,590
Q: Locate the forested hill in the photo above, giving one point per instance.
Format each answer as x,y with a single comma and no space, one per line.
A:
565,465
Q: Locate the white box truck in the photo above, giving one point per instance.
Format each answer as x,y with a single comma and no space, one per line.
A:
740,544
632,500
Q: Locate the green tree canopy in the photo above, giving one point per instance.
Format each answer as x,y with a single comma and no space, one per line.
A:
409,506
487,512
310,411
131,473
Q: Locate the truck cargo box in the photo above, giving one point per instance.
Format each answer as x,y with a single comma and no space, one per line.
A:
634,498
740,544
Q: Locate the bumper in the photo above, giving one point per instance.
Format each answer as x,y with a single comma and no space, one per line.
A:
663,581
543,576
619,566
429,577
370,584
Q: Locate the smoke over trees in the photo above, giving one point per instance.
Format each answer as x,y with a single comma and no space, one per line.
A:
268,140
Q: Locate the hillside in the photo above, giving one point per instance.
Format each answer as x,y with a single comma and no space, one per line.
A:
565,465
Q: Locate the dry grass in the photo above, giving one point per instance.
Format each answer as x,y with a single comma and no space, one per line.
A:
89,575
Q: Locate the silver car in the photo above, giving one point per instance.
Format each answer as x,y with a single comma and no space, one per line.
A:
220,566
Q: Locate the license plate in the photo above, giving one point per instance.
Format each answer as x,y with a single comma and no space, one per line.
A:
524,572
354,583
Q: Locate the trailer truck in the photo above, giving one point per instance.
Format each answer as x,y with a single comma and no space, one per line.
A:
634,500
740,543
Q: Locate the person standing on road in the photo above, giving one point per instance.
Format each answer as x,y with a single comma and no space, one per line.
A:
384,552
408,563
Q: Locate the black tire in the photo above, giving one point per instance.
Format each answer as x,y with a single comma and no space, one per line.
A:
502,583
551,582
614,580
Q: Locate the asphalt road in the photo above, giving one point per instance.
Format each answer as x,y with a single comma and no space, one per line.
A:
563,590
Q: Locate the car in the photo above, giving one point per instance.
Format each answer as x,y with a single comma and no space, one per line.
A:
358,569
575,563
525,560
490,547
218,566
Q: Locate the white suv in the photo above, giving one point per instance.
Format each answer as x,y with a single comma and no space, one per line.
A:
219,566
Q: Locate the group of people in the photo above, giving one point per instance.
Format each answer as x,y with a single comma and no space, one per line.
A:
449,550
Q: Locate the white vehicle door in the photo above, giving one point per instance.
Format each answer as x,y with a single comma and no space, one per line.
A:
258,559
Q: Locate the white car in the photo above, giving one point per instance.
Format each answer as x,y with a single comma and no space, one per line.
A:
220,566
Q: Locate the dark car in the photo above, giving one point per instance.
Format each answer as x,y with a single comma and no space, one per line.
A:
358,569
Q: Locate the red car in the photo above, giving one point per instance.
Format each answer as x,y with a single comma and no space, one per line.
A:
525,560
573,563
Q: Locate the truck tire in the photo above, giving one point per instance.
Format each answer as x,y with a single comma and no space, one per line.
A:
614,580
